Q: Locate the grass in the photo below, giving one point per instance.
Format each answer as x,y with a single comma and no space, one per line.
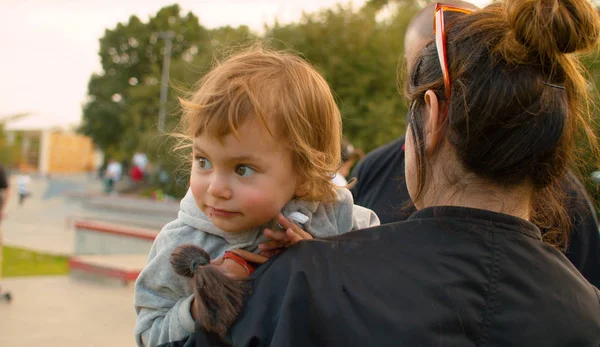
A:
22,262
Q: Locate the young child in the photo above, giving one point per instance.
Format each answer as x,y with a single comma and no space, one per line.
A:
265,133
23,181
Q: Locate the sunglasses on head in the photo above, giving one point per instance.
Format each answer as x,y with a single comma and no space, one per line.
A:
439,30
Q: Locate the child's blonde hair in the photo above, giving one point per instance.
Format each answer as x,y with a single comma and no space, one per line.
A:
259,84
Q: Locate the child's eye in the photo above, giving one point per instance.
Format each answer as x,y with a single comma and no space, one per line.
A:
203,163
244,170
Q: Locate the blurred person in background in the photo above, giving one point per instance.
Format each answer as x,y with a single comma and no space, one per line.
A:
113,173
140,165
23,181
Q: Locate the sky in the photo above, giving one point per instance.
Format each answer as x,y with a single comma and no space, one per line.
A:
50,47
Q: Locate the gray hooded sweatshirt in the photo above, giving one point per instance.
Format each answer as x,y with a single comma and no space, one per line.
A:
163,298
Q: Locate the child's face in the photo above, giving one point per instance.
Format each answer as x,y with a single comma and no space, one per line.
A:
241,184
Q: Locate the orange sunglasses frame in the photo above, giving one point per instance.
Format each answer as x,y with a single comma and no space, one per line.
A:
440,40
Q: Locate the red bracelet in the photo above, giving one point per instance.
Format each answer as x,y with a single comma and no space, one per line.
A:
236,257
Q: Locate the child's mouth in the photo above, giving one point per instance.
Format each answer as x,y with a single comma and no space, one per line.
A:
215,212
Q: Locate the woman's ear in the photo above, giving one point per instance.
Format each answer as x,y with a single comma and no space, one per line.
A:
433,123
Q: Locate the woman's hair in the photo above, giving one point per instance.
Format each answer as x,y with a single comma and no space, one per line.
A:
518,97
219,299
278,89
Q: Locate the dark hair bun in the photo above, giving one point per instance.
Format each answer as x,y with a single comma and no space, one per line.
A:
552,27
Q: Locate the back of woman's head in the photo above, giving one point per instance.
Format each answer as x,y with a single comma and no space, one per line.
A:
517,94
285,94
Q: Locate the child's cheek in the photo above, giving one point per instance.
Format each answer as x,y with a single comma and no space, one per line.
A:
198,188
260,203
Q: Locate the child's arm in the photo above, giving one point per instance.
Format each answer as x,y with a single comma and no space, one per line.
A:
162,299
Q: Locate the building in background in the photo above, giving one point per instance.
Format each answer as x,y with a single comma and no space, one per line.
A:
49,148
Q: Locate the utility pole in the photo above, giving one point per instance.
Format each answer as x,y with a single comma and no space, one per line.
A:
164,83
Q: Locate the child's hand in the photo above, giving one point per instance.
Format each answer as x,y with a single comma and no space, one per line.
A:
281,240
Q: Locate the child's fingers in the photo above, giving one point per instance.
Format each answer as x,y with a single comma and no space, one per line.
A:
272,253
287,224
276,236
217,261
279,240
250,257
293,236
284,222
270,245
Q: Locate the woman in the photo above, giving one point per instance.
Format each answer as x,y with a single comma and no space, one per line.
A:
495,106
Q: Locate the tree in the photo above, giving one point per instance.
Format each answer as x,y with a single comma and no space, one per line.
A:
131,55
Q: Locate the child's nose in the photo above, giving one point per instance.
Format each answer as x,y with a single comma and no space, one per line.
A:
220,187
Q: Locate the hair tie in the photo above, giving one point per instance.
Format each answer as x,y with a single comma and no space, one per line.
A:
199,261
557,86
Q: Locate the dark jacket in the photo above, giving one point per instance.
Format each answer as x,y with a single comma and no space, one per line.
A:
448,276
380,187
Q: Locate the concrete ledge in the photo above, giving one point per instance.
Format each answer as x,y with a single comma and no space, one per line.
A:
114,229
119,269
105,239
134,205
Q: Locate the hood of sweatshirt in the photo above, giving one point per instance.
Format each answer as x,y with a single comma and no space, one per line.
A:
299,211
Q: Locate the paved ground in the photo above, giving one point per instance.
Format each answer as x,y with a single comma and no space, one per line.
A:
62,311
